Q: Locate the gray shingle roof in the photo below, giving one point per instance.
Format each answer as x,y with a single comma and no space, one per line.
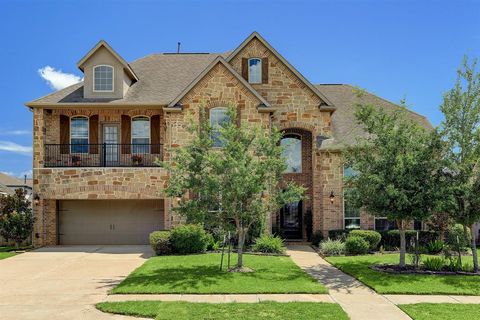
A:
344,125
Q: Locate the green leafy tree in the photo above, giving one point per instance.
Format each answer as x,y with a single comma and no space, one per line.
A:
397,168
16,219
234,186
461,132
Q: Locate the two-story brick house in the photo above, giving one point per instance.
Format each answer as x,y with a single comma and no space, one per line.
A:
95,143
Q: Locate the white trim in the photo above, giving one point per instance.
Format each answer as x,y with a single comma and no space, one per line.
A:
113,77
261,70
88,132
149,131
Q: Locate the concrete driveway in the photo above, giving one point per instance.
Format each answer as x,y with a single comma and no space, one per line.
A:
64,282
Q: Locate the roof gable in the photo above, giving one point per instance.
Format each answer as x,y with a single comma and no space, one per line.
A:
256,35
219,60
104,44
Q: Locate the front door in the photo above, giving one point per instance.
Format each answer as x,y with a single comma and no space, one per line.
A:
110,140
291,220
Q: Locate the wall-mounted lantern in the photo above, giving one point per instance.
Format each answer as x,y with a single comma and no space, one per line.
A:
36,199
332,197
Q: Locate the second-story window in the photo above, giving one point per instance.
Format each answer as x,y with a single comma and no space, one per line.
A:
79,134
254,70
218,117
292,152
103,78
141,134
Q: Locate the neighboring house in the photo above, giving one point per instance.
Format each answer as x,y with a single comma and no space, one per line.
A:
95,142
12,183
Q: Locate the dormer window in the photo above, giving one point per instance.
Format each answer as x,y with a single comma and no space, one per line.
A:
103,78
255,70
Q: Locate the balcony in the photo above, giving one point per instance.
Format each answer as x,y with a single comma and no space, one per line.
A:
102,155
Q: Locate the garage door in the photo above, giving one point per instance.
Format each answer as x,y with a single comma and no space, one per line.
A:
109,221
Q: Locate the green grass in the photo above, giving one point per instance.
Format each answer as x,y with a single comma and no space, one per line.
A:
5,252
200,274
358,266
232,311
441,311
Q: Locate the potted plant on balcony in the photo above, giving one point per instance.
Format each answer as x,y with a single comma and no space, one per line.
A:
76,161
137,160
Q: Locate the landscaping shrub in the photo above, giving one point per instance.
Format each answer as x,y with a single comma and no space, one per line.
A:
317,237
160,242
391,238
332,247
434,263
457,232
356,245
372,237
467,267
189,238
212,244
435,247
340,234
269,244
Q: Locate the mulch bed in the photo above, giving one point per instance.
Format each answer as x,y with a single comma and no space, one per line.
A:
409,269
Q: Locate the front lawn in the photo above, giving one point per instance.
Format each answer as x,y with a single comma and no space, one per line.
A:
233,311
441,311
381,282
5,252
200,274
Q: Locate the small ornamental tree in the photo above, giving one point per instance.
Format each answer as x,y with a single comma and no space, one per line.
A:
16,219
235,185
461,132
396,169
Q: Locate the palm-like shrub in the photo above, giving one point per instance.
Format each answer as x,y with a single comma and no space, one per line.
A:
332,247
269,244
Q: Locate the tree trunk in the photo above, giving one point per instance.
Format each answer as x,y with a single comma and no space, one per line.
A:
474,248
403,243
241,242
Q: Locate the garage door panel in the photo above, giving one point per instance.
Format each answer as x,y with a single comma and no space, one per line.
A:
109,221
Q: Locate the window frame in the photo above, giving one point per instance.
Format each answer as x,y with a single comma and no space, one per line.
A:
113,77
210,122
149,134
88,133
298,137
260,72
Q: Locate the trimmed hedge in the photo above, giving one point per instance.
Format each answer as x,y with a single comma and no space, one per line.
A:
189,238
338,234
356,245
160,242
317,237
372,237
391,239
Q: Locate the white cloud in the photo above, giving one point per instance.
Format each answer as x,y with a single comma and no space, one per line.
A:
15,132
57,79
8,173
15,148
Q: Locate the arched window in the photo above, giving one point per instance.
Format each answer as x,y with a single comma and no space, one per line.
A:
254,70
292,152
218,117
103,78
79,134
141,134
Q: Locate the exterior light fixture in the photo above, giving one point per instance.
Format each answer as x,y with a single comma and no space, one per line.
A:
36,200
332,197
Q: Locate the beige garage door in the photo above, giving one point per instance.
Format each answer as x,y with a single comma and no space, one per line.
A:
109,221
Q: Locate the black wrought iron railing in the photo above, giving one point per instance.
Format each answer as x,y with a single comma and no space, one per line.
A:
102,155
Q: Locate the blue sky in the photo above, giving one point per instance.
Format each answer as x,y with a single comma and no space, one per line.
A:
395,49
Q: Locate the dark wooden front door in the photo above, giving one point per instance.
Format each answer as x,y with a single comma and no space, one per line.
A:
291,220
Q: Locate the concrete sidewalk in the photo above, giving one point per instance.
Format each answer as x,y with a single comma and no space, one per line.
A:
358,301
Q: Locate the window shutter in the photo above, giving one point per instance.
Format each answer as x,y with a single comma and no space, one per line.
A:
64,134
155,133
265,70
93,134
245,68
126,134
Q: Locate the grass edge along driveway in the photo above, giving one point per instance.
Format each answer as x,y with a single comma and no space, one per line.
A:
6,252
441,311
200,274
385,283
234,311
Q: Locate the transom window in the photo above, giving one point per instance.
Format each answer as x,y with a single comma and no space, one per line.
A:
103,78
79,134
218,117
292,152
141,134
254,70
